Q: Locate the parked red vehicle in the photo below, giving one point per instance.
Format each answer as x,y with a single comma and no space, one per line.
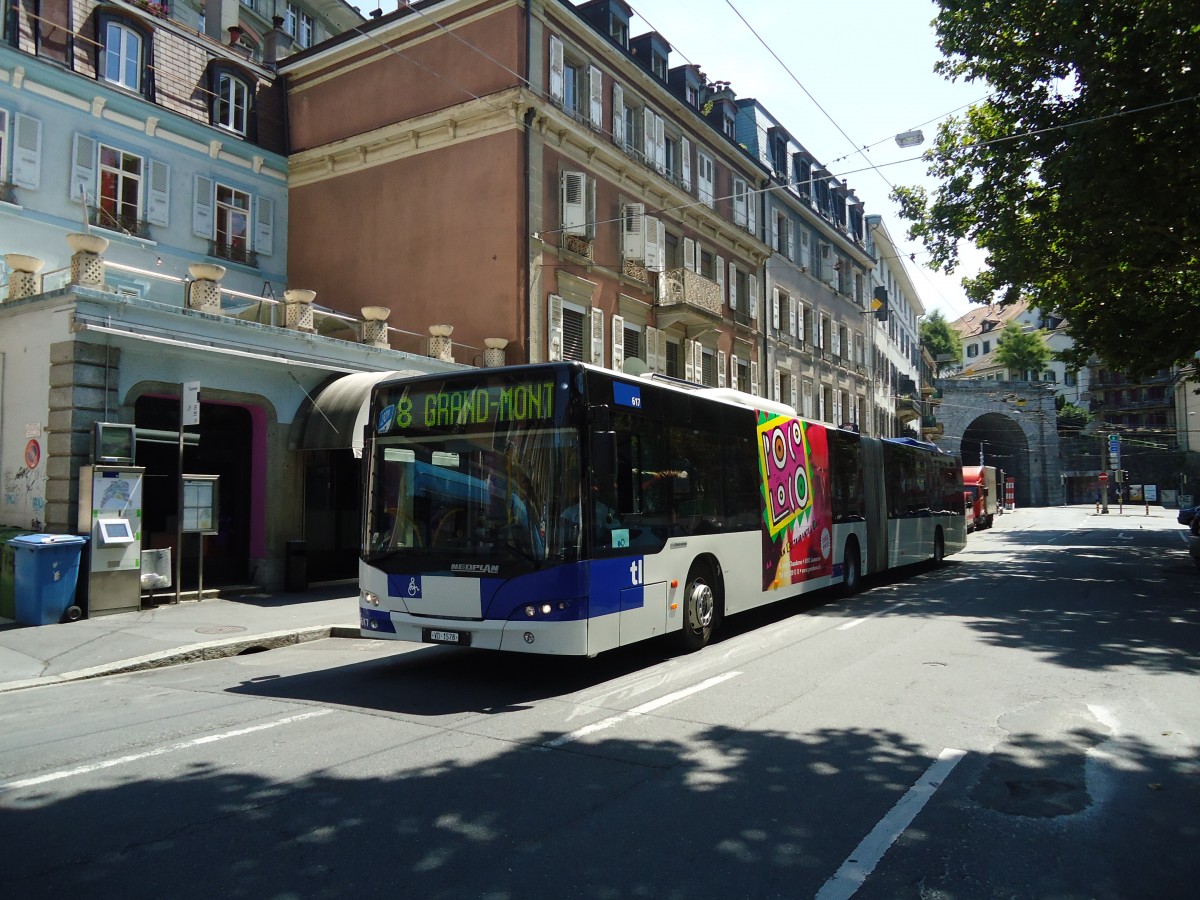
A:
969,507
979,483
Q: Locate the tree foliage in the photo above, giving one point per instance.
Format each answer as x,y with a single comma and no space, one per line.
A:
1020,350
1079,175
941,339
1070,419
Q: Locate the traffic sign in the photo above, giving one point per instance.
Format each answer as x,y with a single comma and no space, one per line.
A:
1104,476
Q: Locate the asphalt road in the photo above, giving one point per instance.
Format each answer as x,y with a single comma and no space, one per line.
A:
1023,722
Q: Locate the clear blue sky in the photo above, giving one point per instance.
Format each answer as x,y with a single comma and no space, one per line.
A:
850,74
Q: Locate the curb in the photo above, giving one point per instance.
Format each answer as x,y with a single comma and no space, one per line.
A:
219,649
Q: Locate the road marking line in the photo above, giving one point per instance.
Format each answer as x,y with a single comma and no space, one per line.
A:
134,757
642,710
850,624
866,856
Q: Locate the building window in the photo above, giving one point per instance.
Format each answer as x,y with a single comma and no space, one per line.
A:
693,96
658,65
233,222
122,54
299,25
5,186
634,347
119,200
618,30
972,350
673,362
231,103
708,368
705,176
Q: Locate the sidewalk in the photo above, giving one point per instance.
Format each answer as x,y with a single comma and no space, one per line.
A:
169,633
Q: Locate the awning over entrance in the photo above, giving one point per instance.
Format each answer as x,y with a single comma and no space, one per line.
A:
339,411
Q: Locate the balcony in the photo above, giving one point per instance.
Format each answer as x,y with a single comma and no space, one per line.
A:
688,298
233,252
579,244
907,409
100,217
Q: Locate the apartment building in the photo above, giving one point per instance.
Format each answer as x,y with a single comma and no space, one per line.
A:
902,383
535,178
143,226
819,319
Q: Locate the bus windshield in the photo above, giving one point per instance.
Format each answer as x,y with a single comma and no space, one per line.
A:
505,499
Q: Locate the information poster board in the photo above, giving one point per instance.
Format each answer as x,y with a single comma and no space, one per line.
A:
200,504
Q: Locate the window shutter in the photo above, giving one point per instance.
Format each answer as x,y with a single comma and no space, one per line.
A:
775,232
597,318
618,342
775,308
27,152
618,128
633,232
733,298
596,93
660,144
733,372
654,243
554,343
837,343
685,153
158,197
689,365
573,205
793,318
739,202
648,135
721,382
652,338
556,69
698,361
83,169
791,240
719,268
752,284
689,254
202,207
264,226
777,385
751,209
754,377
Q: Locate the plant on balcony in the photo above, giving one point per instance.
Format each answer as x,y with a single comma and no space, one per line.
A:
154,7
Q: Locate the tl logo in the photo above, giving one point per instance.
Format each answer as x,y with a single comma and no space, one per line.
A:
635,573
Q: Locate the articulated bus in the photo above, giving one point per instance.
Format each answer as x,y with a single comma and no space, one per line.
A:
568,509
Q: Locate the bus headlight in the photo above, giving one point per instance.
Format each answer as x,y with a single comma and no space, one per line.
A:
370,597
530,611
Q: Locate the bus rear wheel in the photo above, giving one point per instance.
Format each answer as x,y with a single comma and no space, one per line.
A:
700,602
939,548
851,570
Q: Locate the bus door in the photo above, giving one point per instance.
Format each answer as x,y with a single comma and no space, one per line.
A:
875,557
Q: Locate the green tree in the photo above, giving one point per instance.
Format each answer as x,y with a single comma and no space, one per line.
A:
1078,175
941,339
1019,350
1070,419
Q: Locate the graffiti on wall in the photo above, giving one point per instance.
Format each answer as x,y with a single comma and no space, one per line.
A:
25,488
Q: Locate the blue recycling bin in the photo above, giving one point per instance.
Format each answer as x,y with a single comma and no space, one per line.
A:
45,573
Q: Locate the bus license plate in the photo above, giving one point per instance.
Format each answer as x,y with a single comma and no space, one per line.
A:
436,636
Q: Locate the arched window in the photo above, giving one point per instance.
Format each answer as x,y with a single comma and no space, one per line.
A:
232,109
125,55
232,99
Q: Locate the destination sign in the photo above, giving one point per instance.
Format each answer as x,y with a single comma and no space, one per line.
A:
419,409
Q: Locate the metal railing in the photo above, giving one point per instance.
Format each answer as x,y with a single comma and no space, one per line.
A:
687,288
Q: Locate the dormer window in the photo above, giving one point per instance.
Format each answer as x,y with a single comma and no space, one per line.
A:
658,65
728,126
124,54
618,30
693,96
232,99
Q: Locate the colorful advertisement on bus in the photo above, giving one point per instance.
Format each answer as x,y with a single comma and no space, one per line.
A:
793,462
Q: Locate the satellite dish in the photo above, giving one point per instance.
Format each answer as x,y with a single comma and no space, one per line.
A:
634,366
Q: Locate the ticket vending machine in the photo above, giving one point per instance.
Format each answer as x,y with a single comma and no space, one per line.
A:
110,513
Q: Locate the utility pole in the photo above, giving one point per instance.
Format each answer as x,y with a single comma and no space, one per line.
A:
1104,474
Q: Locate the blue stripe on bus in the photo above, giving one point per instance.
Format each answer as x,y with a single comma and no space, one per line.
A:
376,620
593,589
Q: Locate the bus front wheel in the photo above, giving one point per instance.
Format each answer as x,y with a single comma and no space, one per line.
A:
700,602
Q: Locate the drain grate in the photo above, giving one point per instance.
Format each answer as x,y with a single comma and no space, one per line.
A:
220,629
